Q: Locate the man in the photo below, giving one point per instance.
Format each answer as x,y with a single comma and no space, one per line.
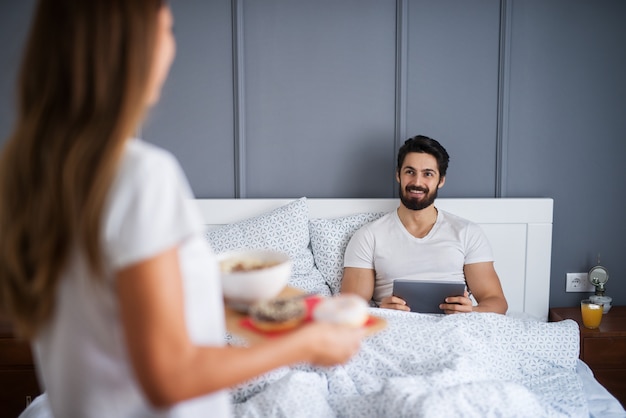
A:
419,241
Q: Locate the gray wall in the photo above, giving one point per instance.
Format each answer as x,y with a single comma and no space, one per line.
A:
289,98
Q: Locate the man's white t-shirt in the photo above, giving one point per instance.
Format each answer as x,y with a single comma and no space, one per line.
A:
386,246
81,354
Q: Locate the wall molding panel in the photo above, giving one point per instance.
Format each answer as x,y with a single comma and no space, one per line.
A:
402,37
239,94
504,71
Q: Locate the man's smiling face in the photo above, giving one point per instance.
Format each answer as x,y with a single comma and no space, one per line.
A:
419,180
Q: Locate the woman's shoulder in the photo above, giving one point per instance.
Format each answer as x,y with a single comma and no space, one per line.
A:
139,153
144,161
144,167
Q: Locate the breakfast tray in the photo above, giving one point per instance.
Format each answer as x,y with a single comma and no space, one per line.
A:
239,324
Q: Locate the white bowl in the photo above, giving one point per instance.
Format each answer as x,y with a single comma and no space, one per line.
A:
251,285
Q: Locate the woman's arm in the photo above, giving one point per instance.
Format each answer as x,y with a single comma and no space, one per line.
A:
170,368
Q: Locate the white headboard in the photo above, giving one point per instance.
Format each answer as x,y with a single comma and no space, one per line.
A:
519,230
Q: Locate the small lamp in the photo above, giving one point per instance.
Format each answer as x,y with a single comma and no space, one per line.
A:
598,276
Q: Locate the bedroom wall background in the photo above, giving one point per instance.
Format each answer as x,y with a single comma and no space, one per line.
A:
290,98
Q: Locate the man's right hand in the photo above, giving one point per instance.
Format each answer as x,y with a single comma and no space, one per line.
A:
394,302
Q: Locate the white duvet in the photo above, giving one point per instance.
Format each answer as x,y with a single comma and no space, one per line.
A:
471,365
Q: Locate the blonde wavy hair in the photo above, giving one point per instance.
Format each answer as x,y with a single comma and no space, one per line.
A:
82,91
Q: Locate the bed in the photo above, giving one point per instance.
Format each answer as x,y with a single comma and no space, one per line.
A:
468,365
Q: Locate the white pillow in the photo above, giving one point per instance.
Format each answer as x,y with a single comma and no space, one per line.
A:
329,238
284,229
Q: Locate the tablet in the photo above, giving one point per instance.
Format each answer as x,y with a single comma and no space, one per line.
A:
426,296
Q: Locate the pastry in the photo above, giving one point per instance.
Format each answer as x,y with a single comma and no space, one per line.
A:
345,309
277,314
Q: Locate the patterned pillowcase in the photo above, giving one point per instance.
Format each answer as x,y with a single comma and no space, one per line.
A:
329,238
283,229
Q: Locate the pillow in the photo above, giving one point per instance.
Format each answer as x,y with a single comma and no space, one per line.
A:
329,238
282,229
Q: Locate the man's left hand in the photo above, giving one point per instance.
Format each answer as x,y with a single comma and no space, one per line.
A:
457,304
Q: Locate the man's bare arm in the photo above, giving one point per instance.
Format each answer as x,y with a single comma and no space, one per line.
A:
358,281
361,282
484,283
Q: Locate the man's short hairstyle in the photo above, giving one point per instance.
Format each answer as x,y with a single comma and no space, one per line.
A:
426,145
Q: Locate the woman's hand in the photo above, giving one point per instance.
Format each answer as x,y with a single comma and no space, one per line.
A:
330,344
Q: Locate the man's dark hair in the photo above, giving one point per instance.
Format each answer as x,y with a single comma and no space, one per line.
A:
426,145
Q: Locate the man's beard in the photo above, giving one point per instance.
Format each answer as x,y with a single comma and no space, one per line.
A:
414,203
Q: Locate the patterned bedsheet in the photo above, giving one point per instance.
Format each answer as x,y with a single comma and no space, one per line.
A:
471,365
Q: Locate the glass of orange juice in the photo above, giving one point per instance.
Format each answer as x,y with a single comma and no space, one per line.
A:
591,312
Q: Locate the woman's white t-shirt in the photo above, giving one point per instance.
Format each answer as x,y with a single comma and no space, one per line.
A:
81,355
386,246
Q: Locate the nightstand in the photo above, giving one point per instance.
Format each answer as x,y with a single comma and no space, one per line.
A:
603,349
18,380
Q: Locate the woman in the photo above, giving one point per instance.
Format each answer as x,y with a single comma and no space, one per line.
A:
102,264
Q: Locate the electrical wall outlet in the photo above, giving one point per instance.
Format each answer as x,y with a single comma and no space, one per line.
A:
578,282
